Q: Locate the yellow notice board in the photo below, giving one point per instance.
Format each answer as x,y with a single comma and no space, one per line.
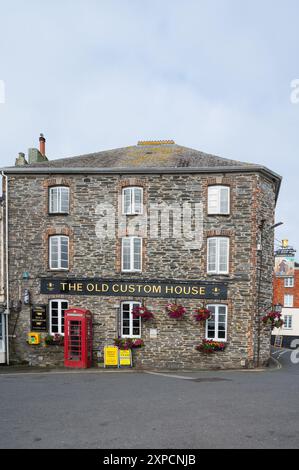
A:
111,356
125,357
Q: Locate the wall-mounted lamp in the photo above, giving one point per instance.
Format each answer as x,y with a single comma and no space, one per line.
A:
25,275
278,308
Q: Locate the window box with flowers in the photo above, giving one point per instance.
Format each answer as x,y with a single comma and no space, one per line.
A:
128,343
55,340
140,311
273,319
209,346
176,311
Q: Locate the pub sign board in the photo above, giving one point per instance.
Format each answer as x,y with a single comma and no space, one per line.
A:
132,288
39,318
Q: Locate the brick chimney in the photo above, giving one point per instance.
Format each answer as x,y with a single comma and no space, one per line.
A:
35,155
42,145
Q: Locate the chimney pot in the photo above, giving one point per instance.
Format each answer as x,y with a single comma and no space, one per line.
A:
42,145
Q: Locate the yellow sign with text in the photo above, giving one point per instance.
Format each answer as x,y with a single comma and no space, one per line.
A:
125,357
111,356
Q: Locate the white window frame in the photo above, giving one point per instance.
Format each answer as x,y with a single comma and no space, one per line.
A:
290,302
289,282
59,301
59,199
217,255
288,320
59,238
131,303
132,209
217,210
131,269
216,337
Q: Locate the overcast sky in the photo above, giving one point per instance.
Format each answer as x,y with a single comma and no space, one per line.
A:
214,75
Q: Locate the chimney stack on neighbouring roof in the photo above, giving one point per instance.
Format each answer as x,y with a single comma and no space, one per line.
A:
37,156
42,145
21,160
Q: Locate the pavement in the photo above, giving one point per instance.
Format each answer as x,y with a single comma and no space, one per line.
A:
98,409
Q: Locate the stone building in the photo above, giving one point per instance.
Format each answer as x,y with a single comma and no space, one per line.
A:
152,224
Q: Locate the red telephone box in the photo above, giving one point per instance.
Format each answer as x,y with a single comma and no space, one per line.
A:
77,338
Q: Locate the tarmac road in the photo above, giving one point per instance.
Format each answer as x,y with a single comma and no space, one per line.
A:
132,410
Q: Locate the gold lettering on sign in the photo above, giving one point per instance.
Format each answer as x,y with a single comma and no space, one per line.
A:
72,286
169,290
147,288
157,289
178,290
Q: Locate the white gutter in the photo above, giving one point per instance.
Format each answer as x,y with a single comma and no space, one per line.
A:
7,311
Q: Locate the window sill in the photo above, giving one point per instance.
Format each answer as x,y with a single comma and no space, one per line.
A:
217,215
218,274
131,272
217,340
59,270
131,337
134,215
53,214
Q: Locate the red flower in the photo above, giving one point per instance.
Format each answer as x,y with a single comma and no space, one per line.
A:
142,312
273,319
202,314
209,346
176,311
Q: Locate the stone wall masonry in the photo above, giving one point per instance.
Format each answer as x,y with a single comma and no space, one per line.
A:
30,225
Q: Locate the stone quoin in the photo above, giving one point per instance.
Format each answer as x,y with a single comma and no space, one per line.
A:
203,252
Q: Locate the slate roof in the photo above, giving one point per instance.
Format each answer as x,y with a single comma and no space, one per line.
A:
144,156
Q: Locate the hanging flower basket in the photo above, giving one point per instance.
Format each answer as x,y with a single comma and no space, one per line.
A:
202,314
209,346
143,313
176,311
273,319
128,343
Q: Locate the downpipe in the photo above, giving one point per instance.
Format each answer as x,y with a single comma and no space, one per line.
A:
7,311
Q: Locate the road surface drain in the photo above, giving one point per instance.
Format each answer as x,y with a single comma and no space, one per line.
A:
211,379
